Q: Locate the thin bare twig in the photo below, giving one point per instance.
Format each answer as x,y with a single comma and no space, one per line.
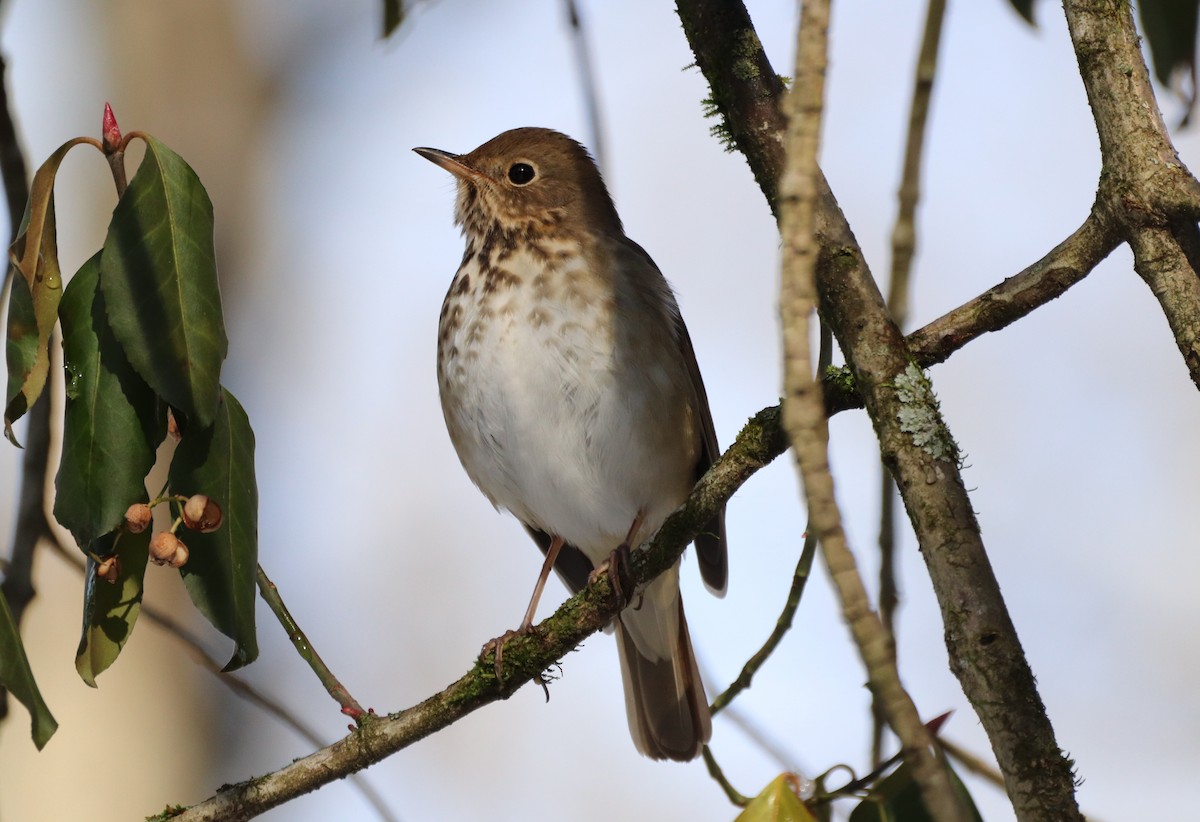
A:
769,745
782,625
904,245
799,580
237,685
587,82
804,412
308,653
718,775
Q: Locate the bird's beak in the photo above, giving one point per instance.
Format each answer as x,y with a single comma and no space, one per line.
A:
451,162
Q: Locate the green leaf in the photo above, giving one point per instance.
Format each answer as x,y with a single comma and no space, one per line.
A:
220,573
17,677
33,257
158,273
393,16
112,422
1170,27
21,353
897,798
37,288
778,802
110,609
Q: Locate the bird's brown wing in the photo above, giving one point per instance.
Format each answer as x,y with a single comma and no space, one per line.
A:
711,550
711,547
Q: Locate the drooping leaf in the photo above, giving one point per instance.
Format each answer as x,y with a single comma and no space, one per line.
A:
110,609
1170,28
31,314
897,798
112,422
20,351
33,256
220,573
17,677
778,802
159,279
393,16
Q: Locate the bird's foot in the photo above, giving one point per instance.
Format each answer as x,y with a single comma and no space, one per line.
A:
496,646
620,574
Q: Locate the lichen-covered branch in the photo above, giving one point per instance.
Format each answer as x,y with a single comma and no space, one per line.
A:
525,656
745,88
985,652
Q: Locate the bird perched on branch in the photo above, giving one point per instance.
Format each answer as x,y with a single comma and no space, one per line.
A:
572,395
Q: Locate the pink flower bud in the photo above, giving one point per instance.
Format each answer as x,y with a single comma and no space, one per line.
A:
110,132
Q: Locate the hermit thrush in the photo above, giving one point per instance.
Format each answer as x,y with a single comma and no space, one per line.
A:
571,393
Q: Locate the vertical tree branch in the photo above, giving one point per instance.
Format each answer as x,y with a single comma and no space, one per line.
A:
1144,188
904,245
745,88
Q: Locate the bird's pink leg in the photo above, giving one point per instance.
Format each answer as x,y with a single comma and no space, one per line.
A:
556,544
497,644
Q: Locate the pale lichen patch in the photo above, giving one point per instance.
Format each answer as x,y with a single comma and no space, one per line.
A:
920,416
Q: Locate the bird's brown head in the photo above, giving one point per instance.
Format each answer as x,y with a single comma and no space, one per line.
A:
527,177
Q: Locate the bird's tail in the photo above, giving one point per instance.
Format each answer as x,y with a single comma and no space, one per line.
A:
664,697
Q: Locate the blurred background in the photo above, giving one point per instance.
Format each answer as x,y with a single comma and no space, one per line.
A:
336,246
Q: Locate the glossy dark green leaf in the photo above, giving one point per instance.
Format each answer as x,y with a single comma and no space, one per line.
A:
1170,28
17,677
1025,9
110,609
112,422
897,798
393,16
159,278
220,573
778,802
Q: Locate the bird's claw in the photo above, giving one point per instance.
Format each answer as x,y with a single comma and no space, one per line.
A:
620,574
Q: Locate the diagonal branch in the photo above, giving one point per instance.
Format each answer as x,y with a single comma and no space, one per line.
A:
525,656
1000,306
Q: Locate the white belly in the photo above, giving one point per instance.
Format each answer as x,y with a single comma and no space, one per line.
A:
536,410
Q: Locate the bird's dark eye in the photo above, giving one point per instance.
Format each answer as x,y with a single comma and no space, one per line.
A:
521,173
